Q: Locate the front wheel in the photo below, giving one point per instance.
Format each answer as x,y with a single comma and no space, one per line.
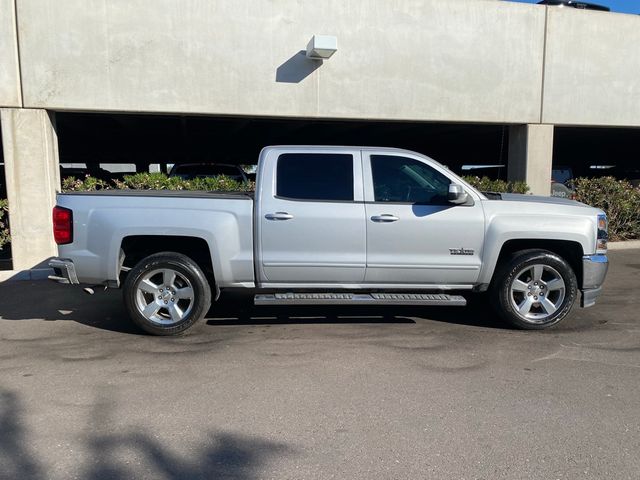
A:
166,293
535,290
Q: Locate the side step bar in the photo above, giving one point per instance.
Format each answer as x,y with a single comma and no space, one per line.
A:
434,299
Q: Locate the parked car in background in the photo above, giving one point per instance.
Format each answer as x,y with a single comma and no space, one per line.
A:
562,182
575,4
491,171
103,171
188,171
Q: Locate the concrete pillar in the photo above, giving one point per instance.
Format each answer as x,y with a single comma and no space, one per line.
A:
32,171
531,156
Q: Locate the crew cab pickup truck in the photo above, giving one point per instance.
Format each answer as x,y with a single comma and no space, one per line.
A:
334,225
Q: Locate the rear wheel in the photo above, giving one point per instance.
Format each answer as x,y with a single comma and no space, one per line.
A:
534,290
166,293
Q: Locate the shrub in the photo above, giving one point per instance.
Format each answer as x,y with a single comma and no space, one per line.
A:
86,184
618,198
221,183
138,181
4,223
156,181
150,181
486,184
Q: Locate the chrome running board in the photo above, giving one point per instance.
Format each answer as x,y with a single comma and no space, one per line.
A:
432,299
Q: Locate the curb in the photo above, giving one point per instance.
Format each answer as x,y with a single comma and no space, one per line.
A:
628,245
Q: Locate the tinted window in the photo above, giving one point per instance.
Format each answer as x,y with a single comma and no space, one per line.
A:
401,179
561,175
315,176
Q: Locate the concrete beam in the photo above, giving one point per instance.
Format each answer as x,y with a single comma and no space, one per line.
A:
31,163
592,68
10,88
435,60
531,156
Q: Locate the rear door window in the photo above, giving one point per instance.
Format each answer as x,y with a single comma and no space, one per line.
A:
315,176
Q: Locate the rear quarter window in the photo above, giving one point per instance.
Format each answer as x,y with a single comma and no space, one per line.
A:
315,176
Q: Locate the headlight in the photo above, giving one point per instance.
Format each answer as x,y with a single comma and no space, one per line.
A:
603,234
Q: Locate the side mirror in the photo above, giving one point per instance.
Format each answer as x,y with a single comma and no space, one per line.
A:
457,195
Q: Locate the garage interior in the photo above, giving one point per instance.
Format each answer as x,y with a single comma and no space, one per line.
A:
142,140
597,152
161,139
123,143
5,252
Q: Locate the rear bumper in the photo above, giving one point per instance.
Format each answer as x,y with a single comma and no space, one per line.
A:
594,271
64,271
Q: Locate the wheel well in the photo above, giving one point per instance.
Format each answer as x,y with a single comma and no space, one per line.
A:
570,251
137,247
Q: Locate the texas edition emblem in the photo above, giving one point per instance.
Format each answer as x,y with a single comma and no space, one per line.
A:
461,251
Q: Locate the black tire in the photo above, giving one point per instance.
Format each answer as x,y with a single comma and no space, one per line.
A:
514,285
188,280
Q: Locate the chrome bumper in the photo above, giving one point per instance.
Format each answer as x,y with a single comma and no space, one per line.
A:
594,271
65,271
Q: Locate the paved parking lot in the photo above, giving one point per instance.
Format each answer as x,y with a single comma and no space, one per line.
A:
318,392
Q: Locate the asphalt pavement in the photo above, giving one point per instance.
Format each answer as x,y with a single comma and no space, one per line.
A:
315,393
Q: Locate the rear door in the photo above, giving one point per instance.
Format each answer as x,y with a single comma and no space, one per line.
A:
311,217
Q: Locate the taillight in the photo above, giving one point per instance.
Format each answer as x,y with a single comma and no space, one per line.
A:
62,225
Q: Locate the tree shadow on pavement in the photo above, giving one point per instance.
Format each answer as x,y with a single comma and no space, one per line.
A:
16,461
225,456
109,455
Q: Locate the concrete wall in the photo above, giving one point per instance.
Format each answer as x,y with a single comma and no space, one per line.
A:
445,60
9,69
433,60
592,68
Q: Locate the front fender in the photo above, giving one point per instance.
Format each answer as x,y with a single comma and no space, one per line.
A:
503,228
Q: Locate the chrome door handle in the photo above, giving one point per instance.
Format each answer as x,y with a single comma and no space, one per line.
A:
385,218
278,216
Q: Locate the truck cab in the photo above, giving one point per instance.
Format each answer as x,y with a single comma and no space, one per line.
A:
378,217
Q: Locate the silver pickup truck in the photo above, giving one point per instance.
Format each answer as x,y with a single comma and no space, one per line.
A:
334,225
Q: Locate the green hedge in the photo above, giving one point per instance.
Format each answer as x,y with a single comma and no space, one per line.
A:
4,224
156,181
138,181
486,184
618,198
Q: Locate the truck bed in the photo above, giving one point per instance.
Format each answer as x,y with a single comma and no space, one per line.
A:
103,219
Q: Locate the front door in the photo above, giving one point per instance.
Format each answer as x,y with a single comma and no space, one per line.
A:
312,219
414,235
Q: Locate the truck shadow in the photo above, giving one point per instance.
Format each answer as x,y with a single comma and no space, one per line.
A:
104,310
47,301
237,309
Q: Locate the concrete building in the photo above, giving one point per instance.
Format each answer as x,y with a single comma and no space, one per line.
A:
161,81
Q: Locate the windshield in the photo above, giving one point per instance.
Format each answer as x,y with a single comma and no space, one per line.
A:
561,175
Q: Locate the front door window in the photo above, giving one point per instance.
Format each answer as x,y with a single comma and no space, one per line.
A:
405,180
